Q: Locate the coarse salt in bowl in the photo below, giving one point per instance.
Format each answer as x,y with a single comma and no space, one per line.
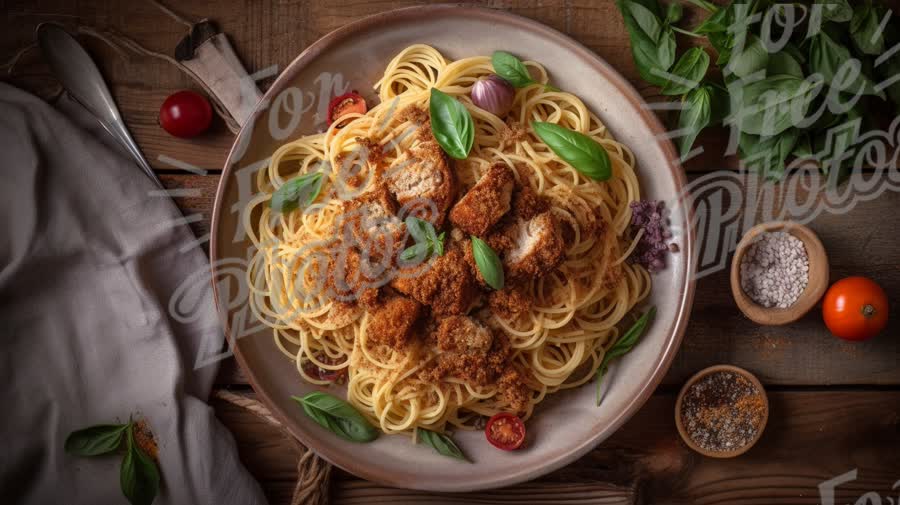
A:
779,272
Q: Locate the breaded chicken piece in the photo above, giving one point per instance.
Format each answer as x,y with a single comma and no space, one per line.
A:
527,204
352,278
538,246
464,334
445,283
512,300
513,390
371,223
488,200
480,369
391,322
421,178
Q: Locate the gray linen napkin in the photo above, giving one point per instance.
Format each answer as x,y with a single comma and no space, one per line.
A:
90,257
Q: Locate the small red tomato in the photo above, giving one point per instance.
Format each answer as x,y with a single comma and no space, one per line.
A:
347,103
324,374
505,431
855,308
185,114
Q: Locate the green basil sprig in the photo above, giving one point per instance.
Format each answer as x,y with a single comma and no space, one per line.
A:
690,69
513,71
770,87
865,29
95,440
303,190
751,56
826,56
576,149
623,345
451,124
427,240
337,416
767,155
836,10
441,443
770,106
138,475
652,42
488,263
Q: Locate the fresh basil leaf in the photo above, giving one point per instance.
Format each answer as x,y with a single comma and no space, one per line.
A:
418,228
865,30
826,57
647,21
767,155
418,251
582,152
303,189
488,263
95,440
674,13
623,345
772,105
337,416
838,11
717,22
690,69
721,42
451,124
652,47
138,475
438,244
752,57
441,443
652,6
695,116
783,63
511,69
794,52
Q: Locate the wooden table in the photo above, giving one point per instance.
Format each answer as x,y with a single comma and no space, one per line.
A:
835,405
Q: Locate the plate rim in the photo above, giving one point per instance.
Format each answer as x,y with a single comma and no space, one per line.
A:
346,461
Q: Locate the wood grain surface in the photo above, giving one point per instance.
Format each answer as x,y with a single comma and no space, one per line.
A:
812,436
835,405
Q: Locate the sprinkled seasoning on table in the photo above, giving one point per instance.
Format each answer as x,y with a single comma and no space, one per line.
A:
775,269
723,411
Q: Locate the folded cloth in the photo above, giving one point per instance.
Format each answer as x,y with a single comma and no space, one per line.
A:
91,253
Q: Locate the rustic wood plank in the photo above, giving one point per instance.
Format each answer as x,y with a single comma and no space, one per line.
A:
802,353
812,436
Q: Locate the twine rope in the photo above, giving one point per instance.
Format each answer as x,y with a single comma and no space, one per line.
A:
313,473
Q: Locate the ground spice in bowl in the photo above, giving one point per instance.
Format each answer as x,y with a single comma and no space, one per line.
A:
775,269
723,412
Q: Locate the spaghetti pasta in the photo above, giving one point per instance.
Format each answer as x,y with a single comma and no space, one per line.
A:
577,308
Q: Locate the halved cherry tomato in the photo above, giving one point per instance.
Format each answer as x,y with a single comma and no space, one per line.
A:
348,103
855,308
505,431
323,374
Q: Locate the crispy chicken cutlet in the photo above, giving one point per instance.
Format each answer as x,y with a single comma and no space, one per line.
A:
421,178
486,202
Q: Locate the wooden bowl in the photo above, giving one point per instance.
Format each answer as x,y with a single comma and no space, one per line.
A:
815,288
703,373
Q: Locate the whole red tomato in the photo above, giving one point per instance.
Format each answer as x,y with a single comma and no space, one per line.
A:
855,308
185,114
